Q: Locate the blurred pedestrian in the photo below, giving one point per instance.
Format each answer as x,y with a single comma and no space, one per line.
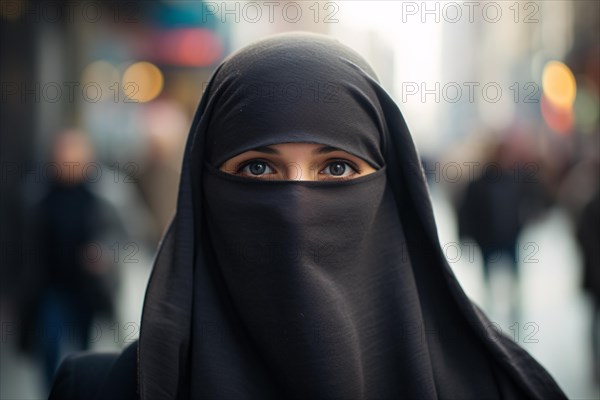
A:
493,211
70,280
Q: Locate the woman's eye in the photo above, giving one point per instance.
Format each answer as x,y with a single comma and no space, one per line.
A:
256,168
334,169
340,169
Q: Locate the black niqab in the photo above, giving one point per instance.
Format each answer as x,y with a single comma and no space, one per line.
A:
313,289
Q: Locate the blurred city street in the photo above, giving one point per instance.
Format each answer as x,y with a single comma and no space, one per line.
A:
550,283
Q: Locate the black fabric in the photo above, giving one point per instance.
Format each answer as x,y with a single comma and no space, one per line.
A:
90,375
313,289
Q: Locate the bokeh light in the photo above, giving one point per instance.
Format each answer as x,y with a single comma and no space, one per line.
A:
559,84
192,47
142,81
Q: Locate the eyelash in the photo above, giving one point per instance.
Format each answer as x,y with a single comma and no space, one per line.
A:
352,165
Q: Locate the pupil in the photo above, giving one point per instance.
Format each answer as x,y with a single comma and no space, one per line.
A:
337,168
257,168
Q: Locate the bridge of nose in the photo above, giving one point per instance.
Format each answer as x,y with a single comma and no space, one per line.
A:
300,171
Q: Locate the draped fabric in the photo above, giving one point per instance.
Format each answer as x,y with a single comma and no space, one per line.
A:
313,289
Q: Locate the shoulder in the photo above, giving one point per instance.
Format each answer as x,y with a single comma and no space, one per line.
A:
90,375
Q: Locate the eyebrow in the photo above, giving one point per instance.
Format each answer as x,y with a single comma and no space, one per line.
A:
320,150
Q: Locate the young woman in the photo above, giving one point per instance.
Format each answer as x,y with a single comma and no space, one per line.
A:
303,261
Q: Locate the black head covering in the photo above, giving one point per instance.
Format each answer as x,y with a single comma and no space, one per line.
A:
313,289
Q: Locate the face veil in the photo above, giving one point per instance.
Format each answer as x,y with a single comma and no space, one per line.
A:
312,289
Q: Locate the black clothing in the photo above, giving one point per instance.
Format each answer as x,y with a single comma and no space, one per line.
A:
64,293
588,236
68,224
497,205
97,376
313,289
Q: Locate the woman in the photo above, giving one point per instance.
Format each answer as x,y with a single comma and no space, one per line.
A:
289,273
